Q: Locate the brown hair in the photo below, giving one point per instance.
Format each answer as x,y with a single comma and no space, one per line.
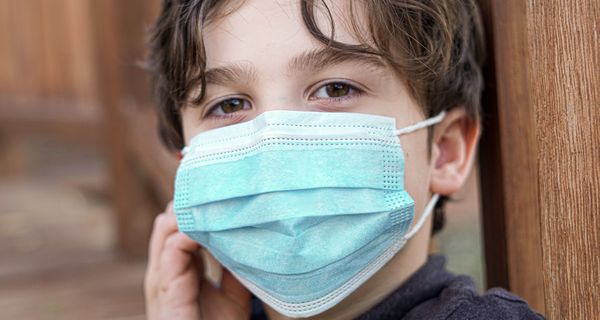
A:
435,46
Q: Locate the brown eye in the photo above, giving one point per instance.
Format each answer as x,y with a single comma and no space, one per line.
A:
337,89
232,105
228,106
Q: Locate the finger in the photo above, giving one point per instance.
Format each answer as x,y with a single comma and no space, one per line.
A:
164,225
165,222
236,291
169,209
177,255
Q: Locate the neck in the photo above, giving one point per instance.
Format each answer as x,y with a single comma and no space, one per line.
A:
382,284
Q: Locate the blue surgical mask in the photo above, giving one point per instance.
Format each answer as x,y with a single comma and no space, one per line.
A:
301,207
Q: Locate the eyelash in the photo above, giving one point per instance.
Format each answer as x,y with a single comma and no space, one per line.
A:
355,92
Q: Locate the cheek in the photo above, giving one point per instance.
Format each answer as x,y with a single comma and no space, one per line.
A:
416,168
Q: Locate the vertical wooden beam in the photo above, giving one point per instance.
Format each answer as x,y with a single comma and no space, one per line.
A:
565,91
518,147
519,151
108,81
547,71
131,197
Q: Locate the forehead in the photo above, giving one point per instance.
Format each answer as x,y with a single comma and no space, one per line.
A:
269,32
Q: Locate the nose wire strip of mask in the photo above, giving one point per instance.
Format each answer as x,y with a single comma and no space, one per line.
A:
282,134
252,140
405,130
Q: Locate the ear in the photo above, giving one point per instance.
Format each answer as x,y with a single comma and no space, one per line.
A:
453,150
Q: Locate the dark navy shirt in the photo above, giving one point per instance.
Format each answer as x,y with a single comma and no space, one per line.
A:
434,293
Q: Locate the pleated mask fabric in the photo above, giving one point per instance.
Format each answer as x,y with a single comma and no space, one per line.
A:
302,207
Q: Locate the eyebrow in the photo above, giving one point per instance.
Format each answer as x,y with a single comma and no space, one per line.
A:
234,73
311,60
328,57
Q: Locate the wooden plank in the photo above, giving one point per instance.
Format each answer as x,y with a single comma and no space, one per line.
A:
135,202
564,82
547,73
110,89
519,152
52,34
136,19
48,49
25,17
7,69
61,118
78,51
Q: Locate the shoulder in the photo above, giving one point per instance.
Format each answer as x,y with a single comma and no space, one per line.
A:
496,303
460,300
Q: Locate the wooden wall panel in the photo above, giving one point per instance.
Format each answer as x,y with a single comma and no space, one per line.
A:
70,69
47,80
565,95
79,50
547,76
6,60
141,170
46,51
519,152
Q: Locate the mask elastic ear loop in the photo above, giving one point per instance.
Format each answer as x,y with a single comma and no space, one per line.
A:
430,206
422,124
185,150
426,213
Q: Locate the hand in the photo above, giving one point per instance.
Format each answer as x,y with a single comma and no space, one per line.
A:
174,283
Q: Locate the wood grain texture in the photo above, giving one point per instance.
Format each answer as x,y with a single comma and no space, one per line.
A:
548,94
46,51
564,82
519,152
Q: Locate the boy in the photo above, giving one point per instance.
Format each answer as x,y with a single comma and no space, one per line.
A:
297,121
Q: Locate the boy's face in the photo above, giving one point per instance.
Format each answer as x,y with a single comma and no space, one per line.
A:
261,57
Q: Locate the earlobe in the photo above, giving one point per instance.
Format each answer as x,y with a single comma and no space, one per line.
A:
453,151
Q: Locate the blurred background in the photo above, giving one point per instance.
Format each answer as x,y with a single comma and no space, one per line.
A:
82,172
